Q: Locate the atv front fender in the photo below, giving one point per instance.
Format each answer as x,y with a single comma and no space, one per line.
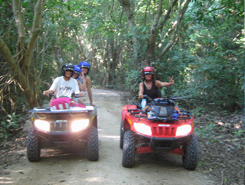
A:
125,110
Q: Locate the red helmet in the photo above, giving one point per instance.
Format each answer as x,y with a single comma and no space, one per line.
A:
148,70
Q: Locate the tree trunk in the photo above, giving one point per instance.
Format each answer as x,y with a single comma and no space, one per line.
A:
128,7
150,53
105,80
173,32
20,64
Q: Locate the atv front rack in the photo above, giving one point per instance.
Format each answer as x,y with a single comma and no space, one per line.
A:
138,113
43,112
71,109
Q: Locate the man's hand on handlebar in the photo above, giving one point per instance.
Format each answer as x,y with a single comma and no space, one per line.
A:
46,93
141,96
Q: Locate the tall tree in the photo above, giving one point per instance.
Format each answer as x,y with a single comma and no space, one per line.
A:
20,61
156,25
128,8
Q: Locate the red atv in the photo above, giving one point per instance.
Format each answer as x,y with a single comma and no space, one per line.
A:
158,127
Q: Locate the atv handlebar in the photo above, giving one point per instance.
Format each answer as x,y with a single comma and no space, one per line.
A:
73,95
51,95
146,97
167,98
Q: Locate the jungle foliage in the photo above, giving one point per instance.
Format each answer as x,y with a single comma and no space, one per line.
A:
200,43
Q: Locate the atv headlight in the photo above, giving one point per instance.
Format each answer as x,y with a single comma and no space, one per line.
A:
183,130
42,125
79,125
143,129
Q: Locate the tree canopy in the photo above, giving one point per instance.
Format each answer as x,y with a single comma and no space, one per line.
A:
200,43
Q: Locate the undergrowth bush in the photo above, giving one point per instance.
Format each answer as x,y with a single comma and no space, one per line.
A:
9,125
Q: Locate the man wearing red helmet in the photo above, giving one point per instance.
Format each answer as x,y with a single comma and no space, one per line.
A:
150,86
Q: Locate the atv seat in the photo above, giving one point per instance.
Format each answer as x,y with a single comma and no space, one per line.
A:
163,107
163,111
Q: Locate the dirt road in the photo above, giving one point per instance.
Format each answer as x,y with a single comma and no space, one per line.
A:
70,166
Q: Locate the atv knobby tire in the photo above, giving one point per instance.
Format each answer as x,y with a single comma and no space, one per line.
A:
190,157
33,146
121,135
93,145
128,149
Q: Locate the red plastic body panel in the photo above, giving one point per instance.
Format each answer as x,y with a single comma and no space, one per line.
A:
159,129
147,149
144,149
178,151
125,110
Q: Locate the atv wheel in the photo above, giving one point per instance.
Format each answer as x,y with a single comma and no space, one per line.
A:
33,146
121,135
128,149
190,157
93,145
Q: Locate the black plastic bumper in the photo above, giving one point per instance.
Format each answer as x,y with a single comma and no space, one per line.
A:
162,144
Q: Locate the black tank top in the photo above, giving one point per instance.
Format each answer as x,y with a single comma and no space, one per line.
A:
154,92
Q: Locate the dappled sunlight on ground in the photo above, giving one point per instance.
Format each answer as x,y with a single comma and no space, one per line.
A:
6,180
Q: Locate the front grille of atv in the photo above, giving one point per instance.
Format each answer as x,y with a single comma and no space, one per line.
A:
163,131
59,127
